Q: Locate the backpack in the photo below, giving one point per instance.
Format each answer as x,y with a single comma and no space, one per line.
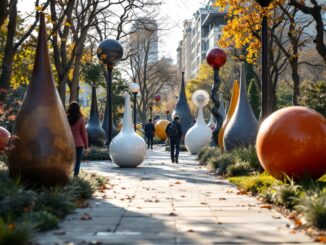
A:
173,130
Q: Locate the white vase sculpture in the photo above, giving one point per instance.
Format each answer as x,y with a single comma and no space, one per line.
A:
200,134
127,149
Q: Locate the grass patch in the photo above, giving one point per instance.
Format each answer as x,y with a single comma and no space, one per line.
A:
313,208
239,169
254,183
24,211
97,154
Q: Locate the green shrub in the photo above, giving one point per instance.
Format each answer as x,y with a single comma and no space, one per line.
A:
221,162
239,169
313,95
267,195
248,155
42,220
15,200
86,184
97,154
57,201
313,207
254,183
287,194
15,233
205,153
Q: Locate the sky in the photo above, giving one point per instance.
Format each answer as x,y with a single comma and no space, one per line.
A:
175,11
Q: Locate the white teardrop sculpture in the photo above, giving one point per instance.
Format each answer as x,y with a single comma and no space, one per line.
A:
127,149
200,134
211,124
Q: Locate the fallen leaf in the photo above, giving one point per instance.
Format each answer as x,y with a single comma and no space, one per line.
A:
59,233
190,230
222,199
178,183
320,239
276,217
85,216
266,206
172,214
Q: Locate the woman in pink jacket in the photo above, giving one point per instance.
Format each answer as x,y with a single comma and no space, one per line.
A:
77,125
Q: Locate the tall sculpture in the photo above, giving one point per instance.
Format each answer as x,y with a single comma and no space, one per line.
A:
216,58
233,105
127,149
200,134
182,109
243,126
44,152
96,134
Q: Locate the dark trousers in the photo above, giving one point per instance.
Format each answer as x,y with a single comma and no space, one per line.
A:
79,152
150,142
175,145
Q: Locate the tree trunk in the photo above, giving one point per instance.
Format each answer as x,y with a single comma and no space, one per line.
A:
3,11
296,83
8,58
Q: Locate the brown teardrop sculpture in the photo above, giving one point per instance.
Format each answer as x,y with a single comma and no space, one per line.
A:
44,152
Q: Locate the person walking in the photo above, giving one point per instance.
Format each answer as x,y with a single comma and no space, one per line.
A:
174,131
77,125
149,133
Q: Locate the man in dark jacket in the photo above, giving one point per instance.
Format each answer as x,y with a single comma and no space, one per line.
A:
174,131
149,133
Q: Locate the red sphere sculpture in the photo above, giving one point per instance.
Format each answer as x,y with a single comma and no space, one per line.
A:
216,58
157,98
292,142
4,138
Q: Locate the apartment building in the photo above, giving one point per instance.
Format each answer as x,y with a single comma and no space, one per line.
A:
200,34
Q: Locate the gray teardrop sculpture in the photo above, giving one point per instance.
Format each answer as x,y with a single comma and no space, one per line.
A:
96,134
182,109
243,126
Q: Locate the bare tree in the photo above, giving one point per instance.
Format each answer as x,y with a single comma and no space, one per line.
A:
314,9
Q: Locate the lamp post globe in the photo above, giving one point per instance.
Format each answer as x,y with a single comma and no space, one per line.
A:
134,88
264,3
109,52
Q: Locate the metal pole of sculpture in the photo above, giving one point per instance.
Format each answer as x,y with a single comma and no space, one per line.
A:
134,88
96,134
109,53
216,58
151,109
265,87
44,152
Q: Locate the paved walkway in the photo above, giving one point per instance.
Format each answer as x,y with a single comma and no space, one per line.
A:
164,203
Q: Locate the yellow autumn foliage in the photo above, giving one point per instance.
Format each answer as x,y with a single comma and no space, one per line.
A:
244,24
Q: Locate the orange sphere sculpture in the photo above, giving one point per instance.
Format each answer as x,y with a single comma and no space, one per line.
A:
160,127
292,142
4,138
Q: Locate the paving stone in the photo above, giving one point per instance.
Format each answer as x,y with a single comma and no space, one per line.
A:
170,204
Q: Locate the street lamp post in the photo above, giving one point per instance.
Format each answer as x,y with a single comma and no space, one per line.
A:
109,53
134,88
167,112
265,84
150,104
